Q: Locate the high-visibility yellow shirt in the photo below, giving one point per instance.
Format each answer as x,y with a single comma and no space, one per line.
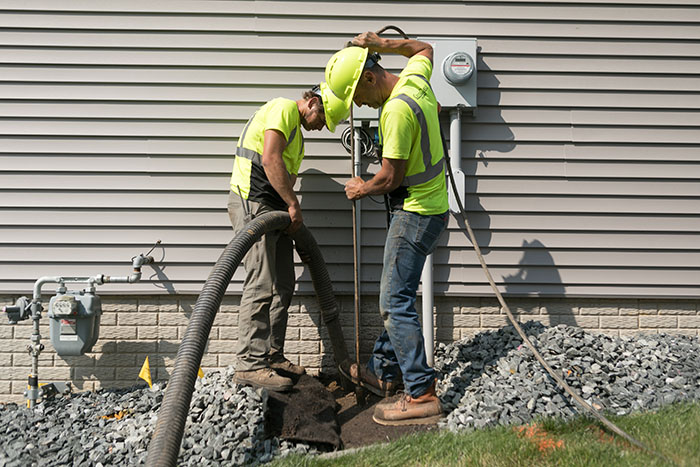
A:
248,177
406,136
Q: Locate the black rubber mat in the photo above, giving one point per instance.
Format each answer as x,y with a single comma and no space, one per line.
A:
307,413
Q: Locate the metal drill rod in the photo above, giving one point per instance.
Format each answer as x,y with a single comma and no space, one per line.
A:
356,275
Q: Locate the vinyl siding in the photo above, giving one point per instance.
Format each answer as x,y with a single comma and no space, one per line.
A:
117,128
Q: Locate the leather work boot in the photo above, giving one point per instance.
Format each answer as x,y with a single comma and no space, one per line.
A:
263,378
422,410
368,380
285,366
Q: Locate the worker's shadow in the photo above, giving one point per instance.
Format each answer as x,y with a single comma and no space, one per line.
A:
538,276
118,363
484,137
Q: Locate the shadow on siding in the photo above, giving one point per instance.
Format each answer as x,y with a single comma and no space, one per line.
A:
538,276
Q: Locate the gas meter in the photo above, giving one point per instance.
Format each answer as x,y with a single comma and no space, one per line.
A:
75,321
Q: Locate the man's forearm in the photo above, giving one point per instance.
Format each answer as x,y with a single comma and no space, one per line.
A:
405,47
276,171
377,185
385,181
280,180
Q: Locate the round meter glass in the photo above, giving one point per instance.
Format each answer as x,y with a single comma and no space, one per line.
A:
458,67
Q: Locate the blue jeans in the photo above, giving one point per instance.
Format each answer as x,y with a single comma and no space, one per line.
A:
400,348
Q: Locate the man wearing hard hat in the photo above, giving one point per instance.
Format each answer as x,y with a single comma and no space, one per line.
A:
269,153
413,175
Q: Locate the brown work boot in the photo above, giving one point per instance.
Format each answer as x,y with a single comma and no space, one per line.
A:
285,366
263,378
422,410
368,380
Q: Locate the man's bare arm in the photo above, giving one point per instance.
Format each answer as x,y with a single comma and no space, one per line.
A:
385,181
276,172
405,47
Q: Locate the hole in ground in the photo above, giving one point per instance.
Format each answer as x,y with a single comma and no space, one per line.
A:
317,408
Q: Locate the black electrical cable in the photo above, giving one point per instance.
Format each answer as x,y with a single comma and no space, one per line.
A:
367,146
578,399
395,28
371,198
512,319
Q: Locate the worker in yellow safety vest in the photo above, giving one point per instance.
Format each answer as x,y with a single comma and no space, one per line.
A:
412,173
268,156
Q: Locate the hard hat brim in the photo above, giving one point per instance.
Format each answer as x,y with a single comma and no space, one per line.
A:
334,109
352,60
361,59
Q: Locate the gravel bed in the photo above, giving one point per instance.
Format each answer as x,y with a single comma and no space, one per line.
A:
493,379
225,425
490,379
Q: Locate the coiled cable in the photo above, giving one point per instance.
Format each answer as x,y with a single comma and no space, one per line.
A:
367,146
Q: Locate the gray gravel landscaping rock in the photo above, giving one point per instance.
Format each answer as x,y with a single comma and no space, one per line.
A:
225,425
490,379
493,379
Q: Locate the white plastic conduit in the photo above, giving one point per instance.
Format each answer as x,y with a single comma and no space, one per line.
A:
427,274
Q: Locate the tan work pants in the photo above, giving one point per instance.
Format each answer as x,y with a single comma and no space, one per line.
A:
267,291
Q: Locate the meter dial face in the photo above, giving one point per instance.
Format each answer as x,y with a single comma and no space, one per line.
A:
65,307
458,67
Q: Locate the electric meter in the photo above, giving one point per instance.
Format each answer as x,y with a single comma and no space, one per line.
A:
458,67
454,79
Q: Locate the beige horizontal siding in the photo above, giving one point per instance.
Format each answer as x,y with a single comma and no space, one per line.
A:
568,10
319,200
226,75
118,123
218,237
156,184
498,256
203,41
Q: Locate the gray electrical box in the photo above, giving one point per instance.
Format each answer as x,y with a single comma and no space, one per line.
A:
454,72
75,322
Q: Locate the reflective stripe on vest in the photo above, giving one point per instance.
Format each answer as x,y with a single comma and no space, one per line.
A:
254,156
431,171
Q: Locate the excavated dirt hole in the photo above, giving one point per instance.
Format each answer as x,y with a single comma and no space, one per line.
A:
319,411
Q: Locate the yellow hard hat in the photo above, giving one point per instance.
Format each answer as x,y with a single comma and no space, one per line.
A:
343,72
334,109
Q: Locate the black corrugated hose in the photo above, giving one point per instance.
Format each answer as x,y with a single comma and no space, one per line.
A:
167,438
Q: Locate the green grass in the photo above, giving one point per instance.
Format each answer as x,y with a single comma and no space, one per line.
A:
674,432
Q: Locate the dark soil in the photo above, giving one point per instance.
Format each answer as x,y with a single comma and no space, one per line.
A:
317,410
356,425
307,413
